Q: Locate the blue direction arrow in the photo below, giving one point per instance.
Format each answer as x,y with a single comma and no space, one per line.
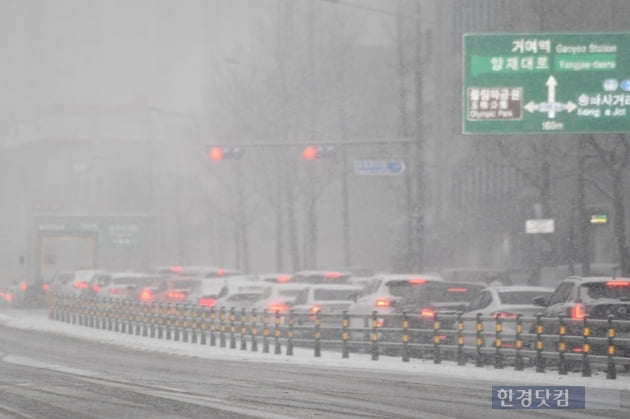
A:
379,167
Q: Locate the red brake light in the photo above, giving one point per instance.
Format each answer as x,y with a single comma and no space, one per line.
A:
427,313
578,312
457,289
282,308
45,287
116,291
207,301
177,269
176,295
382,302
417,281
220,272
96,288
283,278
332,275
23,286
146,295
502,314
80,285
9,297
316,309
618,284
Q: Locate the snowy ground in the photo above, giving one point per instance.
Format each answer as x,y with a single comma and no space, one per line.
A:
37,320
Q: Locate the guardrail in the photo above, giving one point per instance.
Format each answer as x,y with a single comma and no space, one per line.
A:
532,341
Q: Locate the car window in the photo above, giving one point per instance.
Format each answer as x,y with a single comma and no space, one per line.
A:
520,297
482,301
302,297
561,294
607,290
398,288
325,294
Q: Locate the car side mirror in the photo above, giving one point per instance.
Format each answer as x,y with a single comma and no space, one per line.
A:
540,301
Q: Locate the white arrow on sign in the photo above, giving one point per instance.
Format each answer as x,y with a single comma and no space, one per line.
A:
551,106
551,95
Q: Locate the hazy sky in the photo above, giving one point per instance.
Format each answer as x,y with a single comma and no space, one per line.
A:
113,51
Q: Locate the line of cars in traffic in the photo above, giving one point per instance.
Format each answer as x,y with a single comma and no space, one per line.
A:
372,300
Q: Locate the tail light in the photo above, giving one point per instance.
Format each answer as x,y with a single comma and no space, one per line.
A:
116,291
427,313
80,285
220,272
315,309
457,289
507,344
577,312
618,284
207,301
577,350
332,275
503,314
283,278
279,307
23,286
45,287
417,281
383,302
96,288
176,295
177,269
9,297
146,295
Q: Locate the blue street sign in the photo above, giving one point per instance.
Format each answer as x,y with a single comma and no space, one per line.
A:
378,167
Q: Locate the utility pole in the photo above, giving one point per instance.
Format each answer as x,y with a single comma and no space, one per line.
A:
419,205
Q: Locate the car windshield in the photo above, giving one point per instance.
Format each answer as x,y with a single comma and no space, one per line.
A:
520,297
333,294
607,290
450,293
398,288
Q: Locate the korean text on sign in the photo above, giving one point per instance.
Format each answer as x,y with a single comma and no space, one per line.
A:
538,397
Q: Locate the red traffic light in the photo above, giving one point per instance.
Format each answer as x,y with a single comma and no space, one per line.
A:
224,152
317,152
309,153
216,153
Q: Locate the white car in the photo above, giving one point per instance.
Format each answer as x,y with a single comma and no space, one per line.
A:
504,302
279,298
78,283
240,292
124,285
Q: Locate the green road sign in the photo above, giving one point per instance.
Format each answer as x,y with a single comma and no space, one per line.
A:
546,83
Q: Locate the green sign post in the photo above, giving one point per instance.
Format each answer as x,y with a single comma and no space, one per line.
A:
546,83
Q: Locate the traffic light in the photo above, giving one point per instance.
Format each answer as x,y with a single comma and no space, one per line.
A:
318,152
217,153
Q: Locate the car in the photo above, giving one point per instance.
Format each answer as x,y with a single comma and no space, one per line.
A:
76,283
327,300
209,271
279,297
124,285
381,294
422,305
241,292
171,289
504,302
597,297
320,277
275,278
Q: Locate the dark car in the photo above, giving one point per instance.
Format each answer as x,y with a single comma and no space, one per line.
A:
595,298
441,299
